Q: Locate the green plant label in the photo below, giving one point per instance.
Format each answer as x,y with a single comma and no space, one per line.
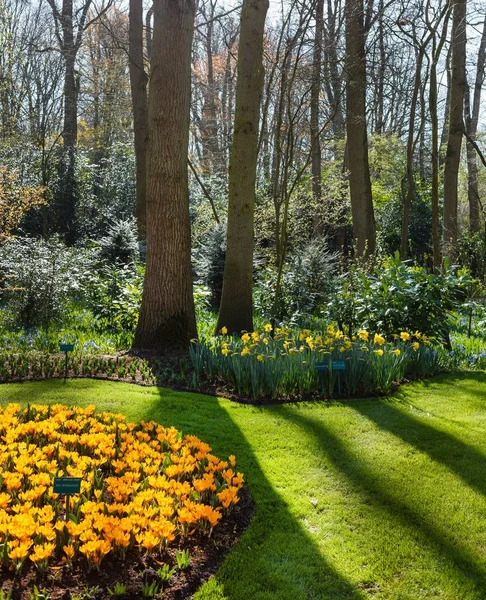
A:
67,485
66,347
336,365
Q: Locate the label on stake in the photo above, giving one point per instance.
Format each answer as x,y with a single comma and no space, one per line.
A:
67,485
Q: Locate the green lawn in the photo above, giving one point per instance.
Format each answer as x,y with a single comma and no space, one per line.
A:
376,498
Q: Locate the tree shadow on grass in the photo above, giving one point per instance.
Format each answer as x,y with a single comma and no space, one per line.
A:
468,570
464,460
276,558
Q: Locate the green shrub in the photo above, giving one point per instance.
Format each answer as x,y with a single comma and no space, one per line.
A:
41,278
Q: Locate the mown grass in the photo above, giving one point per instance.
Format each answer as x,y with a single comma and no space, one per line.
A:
377,498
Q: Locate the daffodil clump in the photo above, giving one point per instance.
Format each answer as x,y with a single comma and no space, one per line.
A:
142,486
283,363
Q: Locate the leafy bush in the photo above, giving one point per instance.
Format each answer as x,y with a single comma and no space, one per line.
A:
106,189
397,297
41,277
114,296
389,222
308,281
120,244
472,253
209,261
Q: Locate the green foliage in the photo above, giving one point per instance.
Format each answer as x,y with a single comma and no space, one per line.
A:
165,573
119,589
120,245
209,259
150,590
106,189
42,277
308,281
398,297
472,252
115,296
285,366
183,559
387,158
38,594
389,224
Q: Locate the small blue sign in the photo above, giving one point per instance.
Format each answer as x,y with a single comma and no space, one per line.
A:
336,365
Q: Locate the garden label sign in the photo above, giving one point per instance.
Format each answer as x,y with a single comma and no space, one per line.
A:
68,486
66,348
331,366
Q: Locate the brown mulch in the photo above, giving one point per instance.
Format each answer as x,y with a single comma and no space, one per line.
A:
206,555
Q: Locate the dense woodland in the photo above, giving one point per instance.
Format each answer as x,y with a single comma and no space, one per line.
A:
259,155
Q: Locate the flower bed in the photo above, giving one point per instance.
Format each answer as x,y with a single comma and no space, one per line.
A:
142,486
259,365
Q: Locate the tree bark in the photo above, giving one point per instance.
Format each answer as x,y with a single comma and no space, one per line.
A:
434,155
357,139
472,118
138,86
456,128
67,188
236,310
315,95
167,318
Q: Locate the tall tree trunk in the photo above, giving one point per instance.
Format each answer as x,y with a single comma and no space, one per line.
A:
456,128
67,188
211,152
315,94
436,51
472,118
333,80
167,318
357,139
408,197
380,124
148,32
236,310
138,86
447,107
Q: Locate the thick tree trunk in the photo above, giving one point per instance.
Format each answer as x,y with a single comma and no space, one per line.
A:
456,128
236,311
138,85
357,139
167,319
472,118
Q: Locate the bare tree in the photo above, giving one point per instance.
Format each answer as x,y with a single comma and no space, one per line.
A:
138,84
70,23
456,128
472,120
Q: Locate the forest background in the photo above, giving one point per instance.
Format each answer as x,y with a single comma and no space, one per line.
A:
73,84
